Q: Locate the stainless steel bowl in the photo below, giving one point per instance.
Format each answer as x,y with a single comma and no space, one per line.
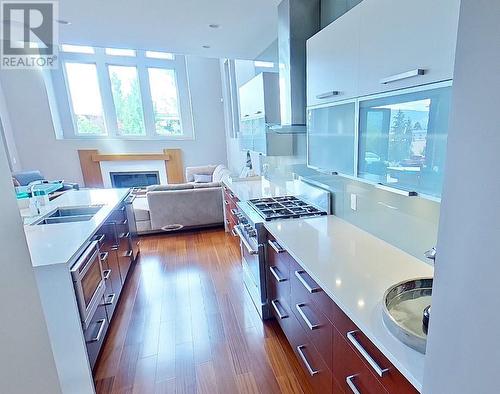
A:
403,308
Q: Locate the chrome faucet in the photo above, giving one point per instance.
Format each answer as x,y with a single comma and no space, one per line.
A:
431,254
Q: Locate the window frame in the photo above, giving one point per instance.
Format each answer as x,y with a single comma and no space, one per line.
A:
61,105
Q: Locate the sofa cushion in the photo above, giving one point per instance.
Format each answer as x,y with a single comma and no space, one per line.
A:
202,170
202,178
206,185
141,209
175,186
220,173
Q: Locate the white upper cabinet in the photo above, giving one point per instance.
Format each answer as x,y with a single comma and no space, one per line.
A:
405,43
332,60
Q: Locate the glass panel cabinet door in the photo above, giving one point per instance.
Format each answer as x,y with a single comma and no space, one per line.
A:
402,140
245,136
330,138
259,135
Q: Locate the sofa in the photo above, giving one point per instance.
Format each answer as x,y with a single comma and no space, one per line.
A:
196,203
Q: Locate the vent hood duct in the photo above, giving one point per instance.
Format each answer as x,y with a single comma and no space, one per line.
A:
298,20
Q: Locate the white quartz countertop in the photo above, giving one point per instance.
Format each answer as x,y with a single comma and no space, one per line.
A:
62,243
355,269
259,188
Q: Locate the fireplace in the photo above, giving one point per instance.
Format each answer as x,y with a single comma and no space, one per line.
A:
134,178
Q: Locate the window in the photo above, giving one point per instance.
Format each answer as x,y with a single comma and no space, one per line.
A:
165,102
402,140
85,98
120,93
127,99
160,55
120,52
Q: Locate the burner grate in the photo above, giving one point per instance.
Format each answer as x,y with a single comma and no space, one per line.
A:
284,207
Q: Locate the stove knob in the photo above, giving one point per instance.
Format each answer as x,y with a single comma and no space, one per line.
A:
243,220
252,233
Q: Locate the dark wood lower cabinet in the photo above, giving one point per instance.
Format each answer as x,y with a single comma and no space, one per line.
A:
95,333
335,354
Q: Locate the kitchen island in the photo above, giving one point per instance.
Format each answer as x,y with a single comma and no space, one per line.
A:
354,269
78,312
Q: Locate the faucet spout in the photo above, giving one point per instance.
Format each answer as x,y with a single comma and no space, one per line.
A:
431,254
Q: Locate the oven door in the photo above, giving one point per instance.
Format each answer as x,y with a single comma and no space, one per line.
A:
252,260
89,282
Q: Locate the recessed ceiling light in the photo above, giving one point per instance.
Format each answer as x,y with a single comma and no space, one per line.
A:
63,22
206,46
214,25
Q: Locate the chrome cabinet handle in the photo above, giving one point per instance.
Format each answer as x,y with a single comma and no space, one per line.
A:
234,232
276,246
128,253
308,287
226,202
97,338
106,274
104,256
327,94
380,371
304,317
245,242
398,77
100,238
123,223
124,235
281,316
234,211
110,300
276,275
311,371
352,386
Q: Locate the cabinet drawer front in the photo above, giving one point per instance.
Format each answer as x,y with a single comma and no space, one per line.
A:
303,284
95,333
350,372
278,258
317,327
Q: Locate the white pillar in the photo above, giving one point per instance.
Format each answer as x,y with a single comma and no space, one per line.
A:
463,353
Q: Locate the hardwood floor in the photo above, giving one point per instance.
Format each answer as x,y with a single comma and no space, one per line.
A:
185,324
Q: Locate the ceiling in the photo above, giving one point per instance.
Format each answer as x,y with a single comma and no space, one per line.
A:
247,27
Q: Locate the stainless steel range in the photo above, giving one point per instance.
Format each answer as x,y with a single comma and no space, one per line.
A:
252,215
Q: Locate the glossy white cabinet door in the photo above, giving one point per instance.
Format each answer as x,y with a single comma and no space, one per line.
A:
332,60
399,36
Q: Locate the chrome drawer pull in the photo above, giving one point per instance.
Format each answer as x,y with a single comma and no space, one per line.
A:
123,223
226,202
276,246
128,253
276,275
104,256
308,287
110,300
400,76
352,386
100,238
124,235
274,303
304,317
380,372
311,371
234,211
327,94
106,274
97,338
233,232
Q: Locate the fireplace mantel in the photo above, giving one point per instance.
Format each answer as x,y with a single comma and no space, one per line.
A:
90,164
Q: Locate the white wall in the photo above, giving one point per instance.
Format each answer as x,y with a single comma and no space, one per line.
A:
26,360
464,346
58,159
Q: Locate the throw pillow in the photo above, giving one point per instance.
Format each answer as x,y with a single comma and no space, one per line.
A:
202,178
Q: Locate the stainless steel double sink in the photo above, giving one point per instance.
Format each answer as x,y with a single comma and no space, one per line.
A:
69,214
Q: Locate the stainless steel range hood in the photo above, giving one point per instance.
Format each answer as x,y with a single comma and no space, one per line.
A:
298,20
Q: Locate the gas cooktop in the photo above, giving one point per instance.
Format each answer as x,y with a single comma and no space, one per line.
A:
285,207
